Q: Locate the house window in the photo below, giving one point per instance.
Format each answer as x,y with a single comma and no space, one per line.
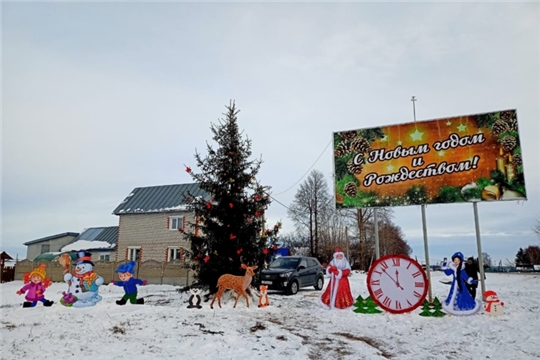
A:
45,248
175,253
134,253
176,222
105,257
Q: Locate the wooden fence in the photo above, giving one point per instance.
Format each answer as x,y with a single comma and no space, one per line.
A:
154,272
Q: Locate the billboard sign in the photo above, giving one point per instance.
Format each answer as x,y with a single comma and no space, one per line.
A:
451,160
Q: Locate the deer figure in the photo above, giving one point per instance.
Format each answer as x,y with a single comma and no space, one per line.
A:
236,283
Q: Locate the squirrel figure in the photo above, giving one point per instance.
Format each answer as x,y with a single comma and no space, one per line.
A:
263,297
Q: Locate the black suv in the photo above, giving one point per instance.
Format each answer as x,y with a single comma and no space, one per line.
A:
290,273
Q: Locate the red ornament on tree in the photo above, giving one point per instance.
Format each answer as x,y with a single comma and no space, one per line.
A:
231,205
208,206
275,247
265,251
206,258
257,213
188,169
232,237
256,197
239,251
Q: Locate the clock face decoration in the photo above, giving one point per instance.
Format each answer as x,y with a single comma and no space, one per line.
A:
397,283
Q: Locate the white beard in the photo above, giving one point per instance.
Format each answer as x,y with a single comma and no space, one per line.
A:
341,264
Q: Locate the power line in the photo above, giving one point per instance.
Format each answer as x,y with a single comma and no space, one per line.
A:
306,171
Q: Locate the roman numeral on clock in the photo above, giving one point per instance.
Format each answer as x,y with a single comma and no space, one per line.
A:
395,261
375,282
419,284
417,294
387,301
378,293
417,274
398,305
384,266
408,266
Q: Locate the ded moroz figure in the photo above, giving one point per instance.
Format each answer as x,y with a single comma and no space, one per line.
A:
338,292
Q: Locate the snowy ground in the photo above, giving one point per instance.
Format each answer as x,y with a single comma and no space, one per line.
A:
291,327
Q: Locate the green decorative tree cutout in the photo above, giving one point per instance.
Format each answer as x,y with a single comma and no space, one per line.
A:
366,306
437,308
426,311
433,309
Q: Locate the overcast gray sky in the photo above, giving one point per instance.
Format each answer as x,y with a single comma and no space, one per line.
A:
101,98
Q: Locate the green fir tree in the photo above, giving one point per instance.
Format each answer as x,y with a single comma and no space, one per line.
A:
437,306
230,228
366,306
426,310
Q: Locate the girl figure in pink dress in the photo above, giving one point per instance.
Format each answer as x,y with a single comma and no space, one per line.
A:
36,283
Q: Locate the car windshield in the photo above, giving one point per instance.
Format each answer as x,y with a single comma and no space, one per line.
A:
283,263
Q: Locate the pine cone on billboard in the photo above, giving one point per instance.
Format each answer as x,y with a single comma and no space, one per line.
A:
354,169
508,143
512,124
348,135
350,189
517,160
360,145
499,127
342,149
507,115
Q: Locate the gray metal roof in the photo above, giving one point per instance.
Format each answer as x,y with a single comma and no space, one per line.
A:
108,234
162,198
51,238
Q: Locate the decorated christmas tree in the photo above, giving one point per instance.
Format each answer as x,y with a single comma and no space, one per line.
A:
366,306
229,228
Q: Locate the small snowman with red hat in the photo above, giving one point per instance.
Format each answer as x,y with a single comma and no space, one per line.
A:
493,305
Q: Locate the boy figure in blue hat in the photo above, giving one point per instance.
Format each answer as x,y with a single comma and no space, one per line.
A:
125,273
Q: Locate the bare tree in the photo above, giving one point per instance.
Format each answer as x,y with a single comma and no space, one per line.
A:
536,228
487,260
311,201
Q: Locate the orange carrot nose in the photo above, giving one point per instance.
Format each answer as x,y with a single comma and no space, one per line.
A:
77,269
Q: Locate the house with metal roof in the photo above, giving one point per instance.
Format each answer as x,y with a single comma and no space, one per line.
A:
152,220
100,241
48,244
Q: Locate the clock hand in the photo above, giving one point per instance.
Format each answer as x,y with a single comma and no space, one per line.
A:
397,281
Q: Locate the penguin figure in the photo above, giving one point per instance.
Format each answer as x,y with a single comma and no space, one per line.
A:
195,298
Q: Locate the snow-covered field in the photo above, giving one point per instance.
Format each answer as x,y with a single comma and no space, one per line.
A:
292,327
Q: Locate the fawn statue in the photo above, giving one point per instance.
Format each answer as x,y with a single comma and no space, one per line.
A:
236,283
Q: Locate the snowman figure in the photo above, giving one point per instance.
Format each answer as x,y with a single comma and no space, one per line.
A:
493,305
84,282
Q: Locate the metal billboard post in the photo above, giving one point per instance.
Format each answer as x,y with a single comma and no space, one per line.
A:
479,246
424,227
376,223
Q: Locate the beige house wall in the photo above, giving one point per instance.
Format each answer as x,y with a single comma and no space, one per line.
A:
34,250
150,232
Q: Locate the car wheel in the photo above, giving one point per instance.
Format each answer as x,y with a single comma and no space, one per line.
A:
320,283
293,287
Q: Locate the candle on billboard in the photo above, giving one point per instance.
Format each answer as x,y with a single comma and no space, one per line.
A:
501,162
510,172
